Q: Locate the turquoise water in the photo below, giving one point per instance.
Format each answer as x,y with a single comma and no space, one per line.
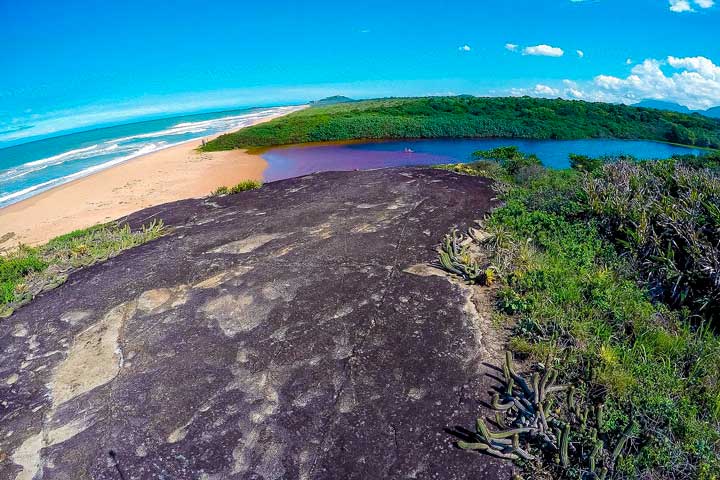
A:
33,167
293,161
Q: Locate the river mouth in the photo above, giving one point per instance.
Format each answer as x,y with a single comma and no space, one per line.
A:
295,160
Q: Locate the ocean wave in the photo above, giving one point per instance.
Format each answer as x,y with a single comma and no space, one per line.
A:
150,148
69,156
119,149
24,192
208,126
69,153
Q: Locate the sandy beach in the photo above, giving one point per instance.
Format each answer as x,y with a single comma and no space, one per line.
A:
167,175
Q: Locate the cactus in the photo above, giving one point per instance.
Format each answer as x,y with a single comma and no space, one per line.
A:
599,416
564,444
571,398
455,257
497,405
487,449
623,440
536,419
597,450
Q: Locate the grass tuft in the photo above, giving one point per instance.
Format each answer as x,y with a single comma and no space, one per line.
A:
240,187
28,271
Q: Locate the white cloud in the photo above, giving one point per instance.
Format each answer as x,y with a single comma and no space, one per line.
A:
694,82
690,81
511,46
545,90
543,50
465,48
580,53
539,90
703,66
572,90
680,6
629,61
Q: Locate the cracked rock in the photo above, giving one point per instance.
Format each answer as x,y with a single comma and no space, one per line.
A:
304,343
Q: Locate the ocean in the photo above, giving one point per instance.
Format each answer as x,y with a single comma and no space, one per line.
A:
30,168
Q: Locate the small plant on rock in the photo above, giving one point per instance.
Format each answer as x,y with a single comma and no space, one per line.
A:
459,255
220,191
246,185
240,187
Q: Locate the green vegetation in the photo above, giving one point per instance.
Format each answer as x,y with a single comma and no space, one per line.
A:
540,420
665,216
511,159
585,163
240,187
13,270
27,271
455,257
466,116
608,274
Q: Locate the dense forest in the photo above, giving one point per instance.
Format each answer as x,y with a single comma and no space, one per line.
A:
466,116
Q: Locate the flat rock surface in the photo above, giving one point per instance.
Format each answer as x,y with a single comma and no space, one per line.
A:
293,332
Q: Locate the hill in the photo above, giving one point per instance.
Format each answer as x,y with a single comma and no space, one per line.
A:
674,107
662,105
713,112
435,117
332,100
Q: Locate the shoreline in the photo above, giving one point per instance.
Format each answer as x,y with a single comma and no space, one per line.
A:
169,174
355,141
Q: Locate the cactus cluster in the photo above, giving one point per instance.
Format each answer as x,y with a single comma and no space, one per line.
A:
457,257
544,423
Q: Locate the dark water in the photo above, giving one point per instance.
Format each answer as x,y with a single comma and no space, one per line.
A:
286,162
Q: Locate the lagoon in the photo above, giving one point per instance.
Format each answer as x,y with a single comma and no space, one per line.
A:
292,161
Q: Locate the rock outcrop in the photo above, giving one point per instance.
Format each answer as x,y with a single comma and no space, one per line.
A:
294,332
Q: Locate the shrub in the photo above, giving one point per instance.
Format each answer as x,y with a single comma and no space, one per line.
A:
240,187
13,270
584,163
666,217
481,168
510,158
246,185
220,191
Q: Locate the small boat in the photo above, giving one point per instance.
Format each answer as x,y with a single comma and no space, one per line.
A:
409,150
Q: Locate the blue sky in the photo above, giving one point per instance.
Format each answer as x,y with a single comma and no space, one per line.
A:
76,64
